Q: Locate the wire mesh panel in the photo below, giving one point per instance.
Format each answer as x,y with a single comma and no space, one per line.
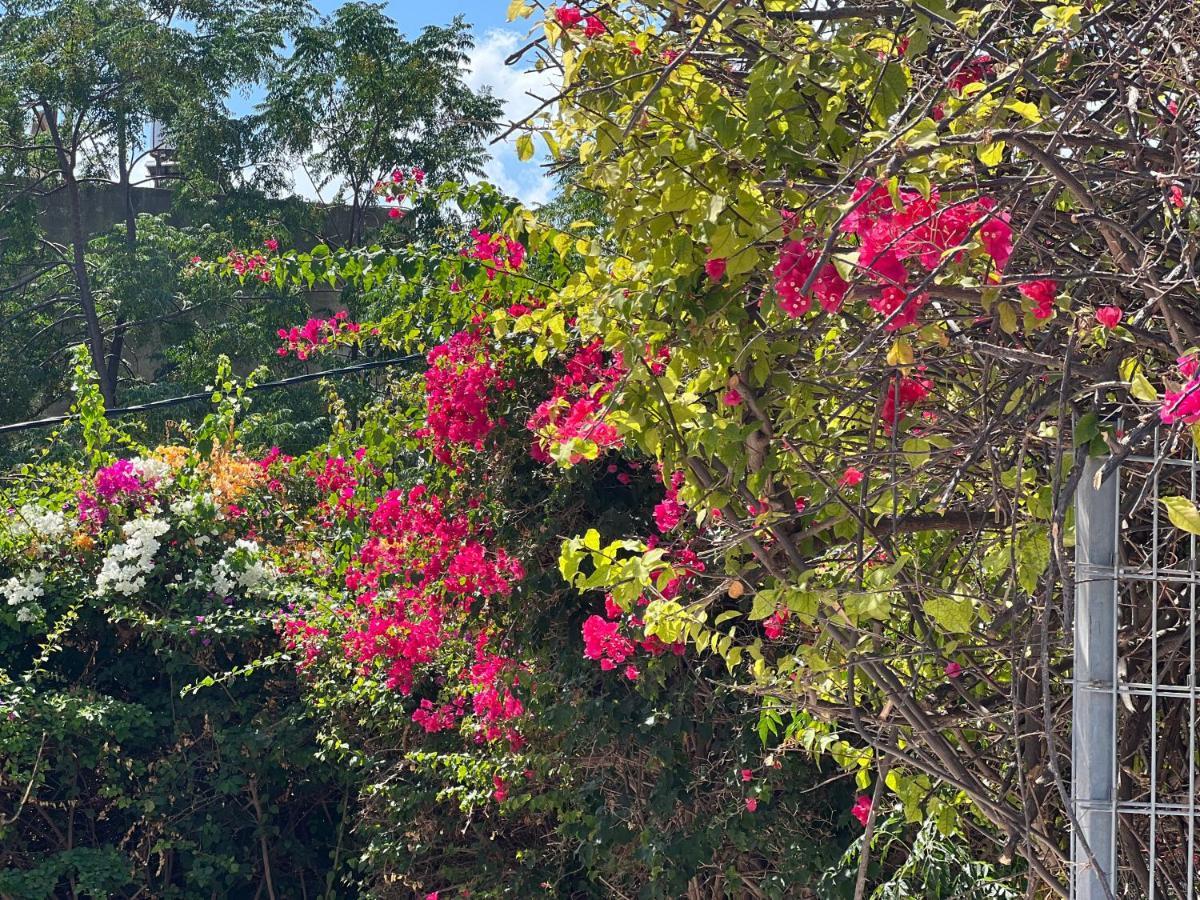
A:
1135,694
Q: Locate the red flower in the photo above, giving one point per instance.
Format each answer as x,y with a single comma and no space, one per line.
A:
1109,316
852,477
634,48
271,244
593,27
715,269
953,670
862,809
393,213
632,673
567,16
731,398
1176,195
747,775
751,804
1043,293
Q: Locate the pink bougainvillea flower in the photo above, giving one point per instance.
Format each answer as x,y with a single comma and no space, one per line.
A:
751,804
1188,365
501,791
773,625
1109,316
747,775
1182,405
901,397
715,268
632,673
1043,293
567,16
731,398
1176,196
796,263
971,72
634,48
862,809
602,642
593,27
953,670
271,244
394,213
898,307
852,477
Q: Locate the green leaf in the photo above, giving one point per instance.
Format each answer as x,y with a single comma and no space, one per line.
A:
952,614
1183,514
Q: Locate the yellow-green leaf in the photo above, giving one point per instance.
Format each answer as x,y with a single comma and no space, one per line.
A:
990,154
1183,514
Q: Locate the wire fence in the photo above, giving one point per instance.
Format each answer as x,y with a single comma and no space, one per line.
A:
1135,691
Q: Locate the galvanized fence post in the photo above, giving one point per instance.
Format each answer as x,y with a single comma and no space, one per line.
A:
1094,689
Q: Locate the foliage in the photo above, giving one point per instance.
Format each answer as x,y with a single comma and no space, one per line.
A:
126,580
357,100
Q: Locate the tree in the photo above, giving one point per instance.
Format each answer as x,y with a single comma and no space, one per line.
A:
84,80
357,100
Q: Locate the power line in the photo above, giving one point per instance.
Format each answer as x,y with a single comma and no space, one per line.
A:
206,395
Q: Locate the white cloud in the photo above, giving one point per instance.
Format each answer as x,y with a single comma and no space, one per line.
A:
519,90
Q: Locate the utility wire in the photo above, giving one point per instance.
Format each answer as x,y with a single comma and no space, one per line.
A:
206,395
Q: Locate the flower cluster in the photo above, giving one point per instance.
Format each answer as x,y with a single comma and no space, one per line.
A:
459,384
129,563
669,512
902,395
569,17
498,253
570,424
1183,405
304,339
796,263
243,264
394,188
891,236
419,570
603,641
24,592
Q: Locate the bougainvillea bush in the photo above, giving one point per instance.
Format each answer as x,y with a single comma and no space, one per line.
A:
129,576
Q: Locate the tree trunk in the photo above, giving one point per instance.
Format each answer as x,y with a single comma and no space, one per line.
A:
87,303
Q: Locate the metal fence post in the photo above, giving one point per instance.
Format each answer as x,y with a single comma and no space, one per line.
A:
1094,689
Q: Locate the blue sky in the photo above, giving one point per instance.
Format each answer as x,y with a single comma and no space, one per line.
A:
495,38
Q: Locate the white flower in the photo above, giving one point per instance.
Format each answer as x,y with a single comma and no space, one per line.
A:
44,524
21,591
239,567
184,507
152,470
127,564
